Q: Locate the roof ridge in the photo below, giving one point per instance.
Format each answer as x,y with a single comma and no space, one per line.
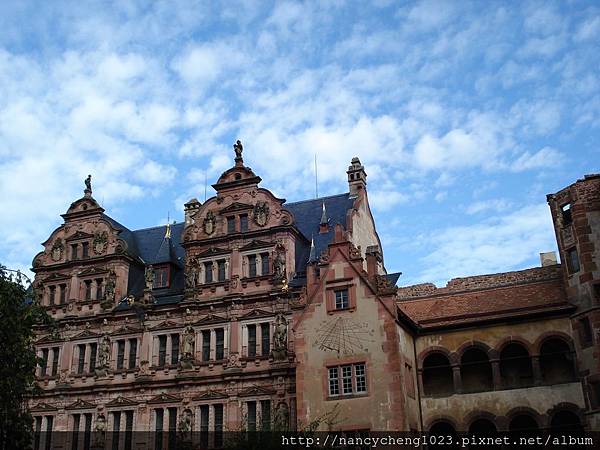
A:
315,199
158,226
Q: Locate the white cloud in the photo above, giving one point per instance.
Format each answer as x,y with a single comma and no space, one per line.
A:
496,205
546,157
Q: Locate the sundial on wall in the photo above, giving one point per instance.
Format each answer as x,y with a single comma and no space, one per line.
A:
343,336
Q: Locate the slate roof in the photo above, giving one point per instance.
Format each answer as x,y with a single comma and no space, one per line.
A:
307,216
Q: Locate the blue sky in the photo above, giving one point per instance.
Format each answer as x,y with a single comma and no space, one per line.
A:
465,115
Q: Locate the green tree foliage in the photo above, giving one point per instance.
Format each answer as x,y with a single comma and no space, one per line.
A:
20,311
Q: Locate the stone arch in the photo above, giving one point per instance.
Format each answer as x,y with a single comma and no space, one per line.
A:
557,359
537,345
436,373
517,420
476,415
433,349
442,427
566,417
515,364
476,368
475,344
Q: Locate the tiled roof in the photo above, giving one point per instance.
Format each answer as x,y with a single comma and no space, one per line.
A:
495,303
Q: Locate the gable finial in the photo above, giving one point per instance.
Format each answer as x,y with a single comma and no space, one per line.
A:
238,148
88,186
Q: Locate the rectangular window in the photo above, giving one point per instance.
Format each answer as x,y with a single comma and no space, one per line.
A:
88,431
220,344
44,363
251,340
93,352
361,377
75,434
265,415
573,260
243,223
55,356
231,225
204,426
221,270
73,252
567,217
174,348
52,296
334,382
49,426
264,261
88,289
120,354
586,334
596,289
162,351
265,339
341,299
208,275
218,411
346,379
205,345
159,417
172,427
85,250
353,379
128,429
251,266
81,360
161,277
38,432
63,294
116,430
132,353
99,289
594,390
251,416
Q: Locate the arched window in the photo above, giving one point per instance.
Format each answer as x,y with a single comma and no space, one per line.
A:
566,422
515,366
437,376
476,371
439,434
556,362
484,428
523,423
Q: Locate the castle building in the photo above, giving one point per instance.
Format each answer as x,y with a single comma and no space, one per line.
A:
258,314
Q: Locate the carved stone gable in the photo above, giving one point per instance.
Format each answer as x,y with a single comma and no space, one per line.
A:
236,206
79,235
210,318
210,395
256,244
164,398
256,313
213,251
81,404
43,407
86,334
121,401
256,390
166,325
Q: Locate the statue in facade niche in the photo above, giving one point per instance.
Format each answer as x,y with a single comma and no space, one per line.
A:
109,289
280,340
103,356
185,423
238,148
100,431
189,336
149,278
282,416
279,266
192,276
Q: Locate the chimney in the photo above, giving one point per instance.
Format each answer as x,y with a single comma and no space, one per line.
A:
374,258
190,209
357,177
548,259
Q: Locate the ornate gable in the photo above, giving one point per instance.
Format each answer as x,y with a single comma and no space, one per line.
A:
81,404
256,313
164,398
48,339
121,401
92,271
126,329
56,277
41,406
211,318
79,235
86,334
166,325
256,391
236,206
210,395
256,244
213,251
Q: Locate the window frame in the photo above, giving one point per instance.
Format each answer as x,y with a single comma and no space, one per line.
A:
346,379
334,286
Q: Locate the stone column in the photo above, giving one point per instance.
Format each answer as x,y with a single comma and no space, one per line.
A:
496,377
537,371
213,344
457,379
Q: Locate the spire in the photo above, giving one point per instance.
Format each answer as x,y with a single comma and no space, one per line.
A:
168,231
312,257
324,224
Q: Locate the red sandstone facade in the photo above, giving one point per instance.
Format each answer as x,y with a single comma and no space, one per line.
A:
259,314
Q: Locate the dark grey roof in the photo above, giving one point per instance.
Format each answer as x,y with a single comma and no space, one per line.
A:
308,214
393,277
155,249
